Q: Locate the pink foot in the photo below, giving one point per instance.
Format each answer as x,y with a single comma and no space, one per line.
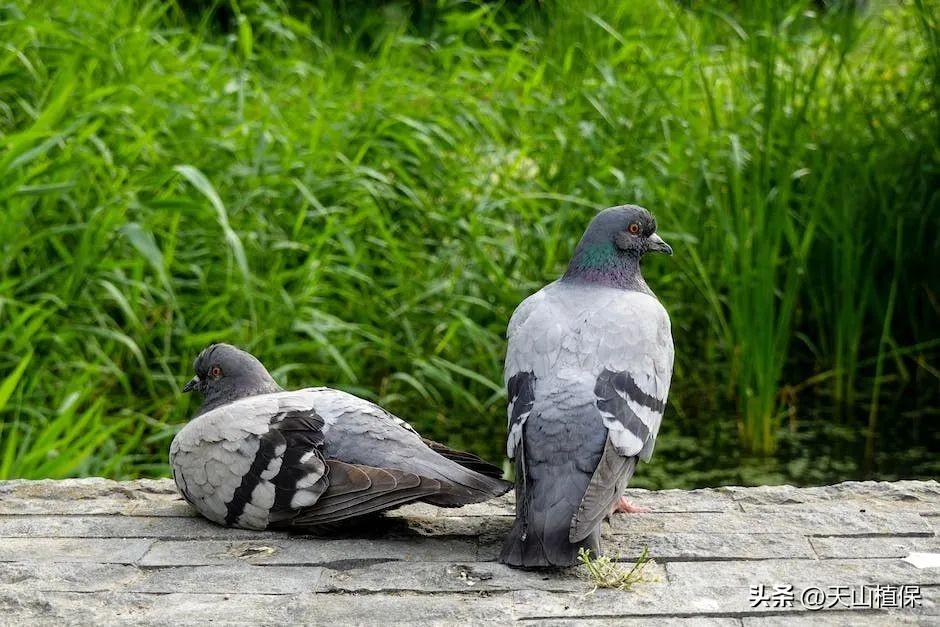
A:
624,506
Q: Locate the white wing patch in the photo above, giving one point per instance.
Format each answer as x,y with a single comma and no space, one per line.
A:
631,416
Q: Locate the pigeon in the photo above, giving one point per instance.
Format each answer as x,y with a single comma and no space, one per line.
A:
587,372
256,456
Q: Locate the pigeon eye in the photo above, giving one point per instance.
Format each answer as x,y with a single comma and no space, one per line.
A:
634,229
215,372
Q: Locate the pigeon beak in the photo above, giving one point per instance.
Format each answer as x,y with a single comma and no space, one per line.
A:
658,245
192,384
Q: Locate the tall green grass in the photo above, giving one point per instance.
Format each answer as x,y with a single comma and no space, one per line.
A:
361,196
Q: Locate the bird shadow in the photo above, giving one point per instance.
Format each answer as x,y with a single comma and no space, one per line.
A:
371,527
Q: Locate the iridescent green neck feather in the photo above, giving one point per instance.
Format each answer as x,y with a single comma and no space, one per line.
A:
602,263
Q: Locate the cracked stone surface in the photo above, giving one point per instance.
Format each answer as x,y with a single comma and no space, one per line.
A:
94,551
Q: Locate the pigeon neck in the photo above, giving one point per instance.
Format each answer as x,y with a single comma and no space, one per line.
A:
602,263
224,396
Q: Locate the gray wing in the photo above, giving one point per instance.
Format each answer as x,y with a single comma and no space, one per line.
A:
356,490
467,460
360,432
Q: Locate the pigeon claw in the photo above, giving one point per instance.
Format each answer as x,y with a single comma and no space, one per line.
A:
624,506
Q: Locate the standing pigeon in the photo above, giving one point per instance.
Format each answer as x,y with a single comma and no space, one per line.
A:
587,371
256,456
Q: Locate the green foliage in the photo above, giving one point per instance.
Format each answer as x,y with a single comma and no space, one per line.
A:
361,196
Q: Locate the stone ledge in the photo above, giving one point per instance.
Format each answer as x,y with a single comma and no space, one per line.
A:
99,551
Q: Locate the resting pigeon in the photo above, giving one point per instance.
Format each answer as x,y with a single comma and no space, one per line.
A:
587,371
256,456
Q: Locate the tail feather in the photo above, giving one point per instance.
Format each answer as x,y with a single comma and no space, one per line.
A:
456,493
546,547
544,511
463,485
467,460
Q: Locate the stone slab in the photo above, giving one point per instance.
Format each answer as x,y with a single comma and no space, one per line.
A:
143,497
909,496
460,577
87,488
500,506
164,507
799,522
72,608
100,526
933,522
666,547
706,604
301,551
702,500
665,621
90,550
43,576
695,602
227,579
643,600
486,528
800,572
259,609
407,609
662,501
860,548
833,618
94,551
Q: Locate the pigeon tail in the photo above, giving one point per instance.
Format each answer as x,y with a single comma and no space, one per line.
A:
467,460
460,485
539,537
457,493
552,550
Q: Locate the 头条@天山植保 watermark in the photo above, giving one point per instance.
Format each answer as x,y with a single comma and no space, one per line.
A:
866,596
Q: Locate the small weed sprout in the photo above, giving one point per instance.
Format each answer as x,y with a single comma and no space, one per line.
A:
606,573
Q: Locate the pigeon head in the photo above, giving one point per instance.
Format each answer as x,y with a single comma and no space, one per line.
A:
225,374
609,252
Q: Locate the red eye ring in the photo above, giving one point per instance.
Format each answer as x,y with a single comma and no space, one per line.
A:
634,229
215,372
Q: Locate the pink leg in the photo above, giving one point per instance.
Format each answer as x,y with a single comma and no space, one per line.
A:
624,506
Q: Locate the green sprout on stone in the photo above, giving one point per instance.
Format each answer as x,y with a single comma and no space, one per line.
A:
607,573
